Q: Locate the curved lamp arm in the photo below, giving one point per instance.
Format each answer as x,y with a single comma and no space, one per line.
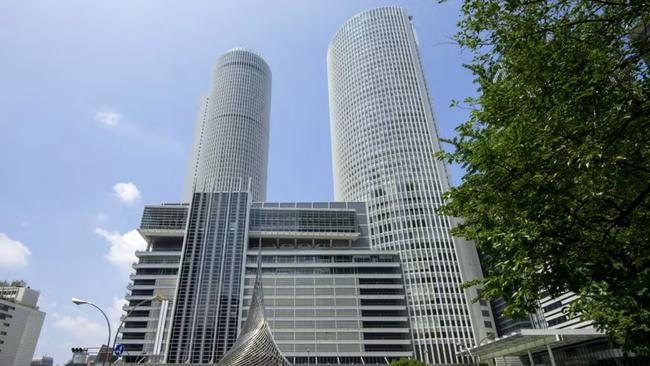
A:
108,323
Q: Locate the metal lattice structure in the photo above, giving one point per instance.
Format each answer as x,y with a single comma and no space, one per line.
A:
255,345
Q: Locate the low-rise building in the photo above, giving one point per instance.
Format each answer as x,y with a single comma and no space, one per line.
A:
551,336
20,324
329,297
43,361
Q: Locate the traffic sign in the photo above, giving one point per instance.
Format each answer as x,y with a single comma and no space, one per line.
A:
119,349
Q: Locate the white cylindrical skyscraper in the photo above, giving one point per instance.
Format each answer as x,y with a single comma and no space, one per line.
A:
383,143
231,141
195,153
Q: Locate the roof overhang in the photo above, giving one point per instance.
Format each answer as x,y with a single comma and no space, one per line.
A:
521,342
147,233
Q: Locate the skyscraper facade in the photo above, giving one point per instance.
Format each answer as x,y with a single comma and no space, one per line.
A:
255,345
231,140
191,174
208,295
330,298
198,320
384,138
146,327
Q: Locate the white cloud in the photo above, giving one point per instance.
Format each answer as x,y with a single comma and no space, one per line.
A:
115,311
108,118
88,328
83,329
123,247
12,252
45,301
126,192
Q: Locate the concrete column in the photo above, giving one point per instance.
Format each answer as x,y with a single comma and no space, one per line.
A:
530,358
550,355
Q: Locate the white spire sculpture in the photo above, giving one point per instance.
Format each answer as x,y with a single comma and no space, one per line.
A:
255,345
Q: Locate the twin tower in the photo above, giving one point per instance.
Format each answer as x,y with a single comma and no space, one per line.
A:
231,138
384,139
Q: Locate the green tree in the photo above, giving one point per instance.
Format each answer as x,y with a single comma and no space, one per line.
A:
557,155
406,362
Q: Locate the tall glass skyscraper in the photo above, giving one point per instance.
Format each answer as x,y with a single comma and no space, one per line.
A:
231,139
383,142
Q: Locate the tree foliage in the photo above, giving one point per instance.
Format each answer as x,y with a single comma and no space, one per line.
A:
406,362
557,154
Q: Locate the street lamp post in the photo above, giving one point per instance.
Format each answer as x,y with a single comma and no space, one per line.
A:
108,323
142,357
158,297
477,358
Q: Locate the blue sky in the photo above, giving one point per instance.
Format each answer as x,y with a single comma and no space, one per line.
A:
97,106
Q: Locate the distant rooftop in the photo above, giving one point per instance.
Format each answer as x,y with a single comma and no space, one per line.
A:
22,294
